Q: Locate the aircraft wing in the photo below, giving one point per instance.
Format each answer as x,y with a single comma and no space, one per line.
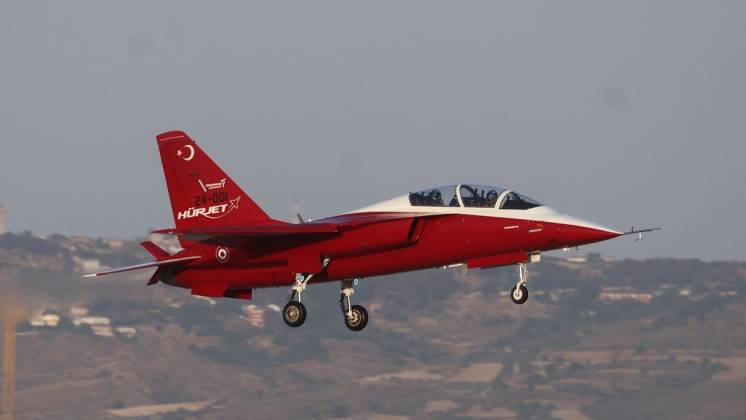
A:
328,226
352,220
146,265
255,230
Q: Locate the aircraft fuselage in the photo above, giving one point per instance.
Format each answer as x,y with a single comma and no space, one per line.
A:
385,248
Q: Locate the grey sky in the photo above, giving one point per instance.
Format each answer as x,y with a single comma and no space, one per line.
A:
624,113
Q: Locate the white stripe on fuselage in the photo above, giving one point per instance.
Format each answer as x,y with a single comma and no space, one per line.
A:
538,214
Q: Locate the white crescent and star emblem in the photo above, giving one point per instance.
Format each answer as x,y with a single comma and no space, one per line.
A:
180,152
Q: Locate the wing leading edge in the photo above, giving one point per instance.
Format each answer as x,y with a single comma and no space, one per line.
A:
328,226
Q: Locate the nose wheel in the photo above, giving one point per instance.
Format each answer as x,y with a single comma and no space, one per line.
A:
355,316
519,292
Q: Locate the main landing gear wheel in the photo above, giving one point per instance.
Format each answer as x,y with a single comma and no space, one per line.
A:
519,294
357,318
294,314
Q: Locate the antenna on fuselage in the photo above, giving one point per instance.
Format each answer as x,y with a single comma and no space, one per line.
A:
296,210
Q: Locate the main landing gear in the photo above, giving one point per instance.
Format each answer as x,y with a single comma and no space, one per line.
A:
294,313
519,293
356,317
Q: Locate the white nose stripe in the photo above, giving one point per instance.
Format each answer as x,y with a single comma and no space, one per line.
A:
556,217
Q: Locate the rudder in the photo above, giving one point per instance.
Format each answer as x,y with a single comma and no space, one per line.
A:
201,193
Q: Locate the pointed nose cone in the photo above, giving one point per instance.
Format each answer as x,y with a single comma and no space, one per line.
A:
584,232
588,234
575,231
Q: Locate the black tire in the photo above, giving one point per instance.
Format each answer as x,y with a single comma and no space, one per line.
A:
359,318
294,314
519,295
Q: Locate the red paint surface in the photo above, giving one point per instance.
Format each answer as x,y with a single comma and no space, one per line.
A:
378,249
210,212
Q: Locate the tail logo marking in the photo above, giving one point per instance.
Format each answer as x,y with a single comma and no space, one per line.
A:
189,147
212,212
214,186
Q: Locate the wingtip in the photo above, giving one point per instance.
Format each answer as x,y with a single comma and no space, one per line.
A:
165,231
88,276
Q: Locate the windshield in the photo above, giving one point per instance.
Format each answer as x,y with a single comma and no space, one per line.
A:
515,201
479,195
435,197
472,195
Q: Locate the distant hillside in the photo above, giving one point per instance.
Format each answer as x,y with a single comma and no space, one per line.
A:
598,338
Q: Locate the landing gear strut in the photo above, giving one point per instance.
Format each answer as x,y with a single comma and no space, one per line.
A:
519,293
356,317
294,313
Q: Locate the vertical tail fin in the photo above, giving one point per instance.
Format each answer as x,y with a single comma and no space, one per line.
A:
201,193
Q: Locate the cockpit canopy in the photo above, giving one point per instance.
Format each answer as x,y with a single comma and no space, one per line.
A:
472,195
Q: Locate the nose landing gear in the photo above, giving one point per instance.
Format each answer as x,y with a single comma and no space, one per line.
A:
519,293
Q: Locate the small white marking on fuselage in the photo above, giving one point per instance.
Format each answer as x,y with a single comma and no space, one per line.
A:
535,230
511,227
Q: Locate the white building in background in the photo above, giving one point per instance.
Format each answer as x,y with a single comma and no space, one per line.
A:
102,330
46,320
88,265
92,321
128,332
3,227
255,315
617,294
77,311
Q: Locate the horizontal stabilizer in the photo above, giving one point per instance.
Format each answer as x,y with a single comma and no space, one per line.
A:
160,263
155,250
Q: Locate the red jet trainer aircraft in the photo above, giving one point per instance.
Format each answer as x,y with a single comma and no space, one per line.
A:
230,246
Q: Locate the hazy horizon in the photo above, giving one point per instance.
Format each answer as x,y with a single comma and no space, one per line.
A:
625,114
